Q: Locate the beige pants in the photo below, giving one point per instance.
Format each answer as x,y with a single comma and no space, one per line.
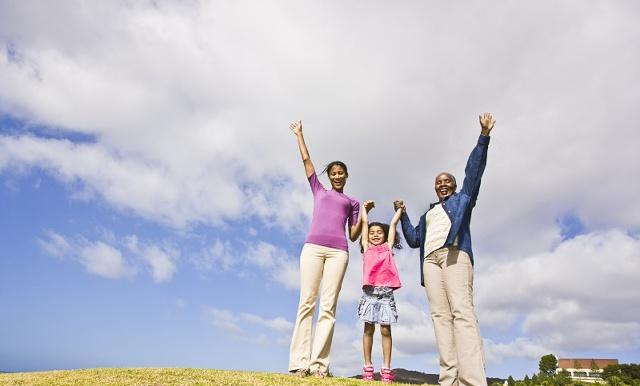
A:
317,263
448,276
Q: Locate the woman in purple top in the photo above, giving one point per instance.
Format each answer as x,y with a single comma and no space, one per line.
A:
324,258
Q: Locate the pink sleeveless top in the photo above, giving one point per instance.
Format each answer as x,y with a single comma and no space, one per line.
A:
379,268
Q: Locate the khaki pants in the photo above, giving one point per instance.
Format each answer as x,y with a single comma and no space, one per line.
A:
317,263
448,276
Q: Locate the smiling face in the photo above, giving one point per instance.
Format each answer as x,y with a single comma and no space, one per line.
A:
445,185
338,177
376,235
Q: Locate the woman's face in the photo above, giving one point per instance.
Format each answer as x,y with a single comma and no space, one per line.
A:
338,177
445,185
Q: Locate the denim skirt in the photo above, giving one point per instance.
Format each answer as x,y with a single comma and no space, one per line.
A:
377,305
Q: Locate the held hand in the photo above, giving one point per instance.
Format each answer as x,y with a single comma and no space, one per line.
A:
399,204
296,127
486,122
368,205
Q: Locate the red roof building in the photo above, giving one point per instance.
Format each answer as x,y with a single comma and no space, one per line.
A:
584,369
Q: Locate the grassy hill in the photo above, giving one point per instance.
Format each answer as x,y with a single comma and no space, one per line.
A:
166,377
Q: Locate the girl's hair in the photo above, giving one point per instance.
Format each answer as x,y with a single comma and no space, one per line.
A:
327,169
397,243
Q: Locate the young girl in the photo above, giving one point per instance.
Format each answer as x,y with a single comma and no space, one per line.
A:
379,280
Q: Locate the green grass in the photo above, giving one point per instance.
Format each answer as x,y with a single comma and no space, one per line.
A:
167,377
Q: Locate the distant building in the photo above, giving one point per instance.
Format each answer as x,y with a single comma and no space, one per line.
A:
584,369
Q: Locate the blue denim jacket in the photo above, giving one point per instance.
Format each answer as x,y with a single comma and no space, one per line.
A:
458,206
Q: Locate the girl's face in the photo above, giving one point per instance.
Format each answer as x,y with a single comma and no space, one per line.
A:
338,177
376,235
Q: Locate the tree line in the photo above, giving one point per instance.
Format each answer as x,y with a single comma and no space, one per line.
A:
627,374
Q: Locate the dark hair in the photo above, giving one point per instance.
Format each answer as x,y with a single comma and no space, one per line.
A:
327,169
397,243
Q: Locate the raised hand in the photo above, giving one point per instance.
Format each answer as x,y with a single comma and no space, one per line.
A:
486,122
399,204
296,127
368,205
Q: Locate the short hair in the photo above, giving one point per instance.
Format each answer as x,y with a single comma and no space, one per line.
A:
450,176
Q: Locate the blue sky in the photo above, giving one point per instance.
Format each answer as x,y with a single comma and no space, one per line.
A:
153,204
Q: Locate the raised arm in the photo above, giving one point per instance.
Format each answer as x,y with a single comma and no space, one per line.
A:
391,239
364,220
411,234
478,158
356,229
296,128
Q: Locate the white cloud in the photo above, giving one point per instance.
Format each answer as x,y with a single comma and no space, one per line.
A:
56,245
161,263
130,184
579,296
281,267
97,257
414,334
224,320
242,326
278,324
103,260
218,256
518,348
200,136
160,260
